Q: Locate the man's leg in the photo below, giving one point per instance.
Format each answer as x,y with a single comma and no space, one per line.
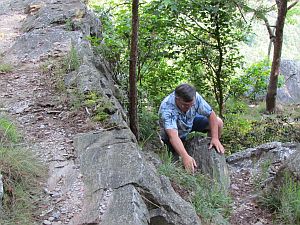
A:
201,124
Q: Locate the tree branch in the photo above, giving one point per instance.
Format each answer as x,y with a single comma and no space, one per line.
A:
292,5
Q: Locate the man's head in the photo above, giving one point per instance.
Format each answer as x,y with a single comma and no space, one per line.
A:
185,96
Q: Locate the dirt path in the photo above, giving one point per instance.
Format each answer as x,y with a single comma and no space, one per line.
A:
42,118
246,210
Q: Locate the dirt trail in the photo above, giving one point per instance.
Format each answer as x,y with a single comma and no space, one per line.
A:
42,117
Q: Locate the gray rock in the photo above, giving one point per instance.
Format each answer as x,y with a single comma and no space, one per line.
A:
111,160
42,44
209,161
290,92
253,158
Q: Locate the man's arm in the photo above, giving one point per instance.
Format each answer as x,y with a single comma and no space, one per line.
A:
214,130
188,162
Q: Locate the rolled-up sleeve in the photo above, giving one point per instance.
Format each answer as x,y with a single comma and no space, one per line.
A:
203,108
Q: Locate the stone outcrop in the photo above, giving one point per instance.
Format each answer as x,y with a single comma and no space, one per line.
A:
209,161
122,187
290,92
268,158
289,167
252,158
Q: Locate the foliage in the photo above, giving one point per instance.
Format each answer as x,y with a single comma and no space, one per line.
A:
5,68
21,175
204,194
174,39
292,16
98,107
206,35
247,127
8,132
285,201
148,124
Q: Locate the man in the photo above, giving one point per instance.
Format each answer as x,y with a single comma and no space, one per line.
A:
182,112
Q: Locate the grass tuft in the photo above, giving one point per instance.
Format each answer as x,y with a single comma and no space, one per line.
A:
21,173
5,68
285,201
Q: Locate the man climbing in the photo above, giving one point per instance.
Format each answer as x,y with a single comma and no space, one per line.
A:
182,112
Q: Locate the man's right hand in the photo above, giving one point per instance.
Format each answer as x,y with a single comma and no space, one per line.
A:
189,163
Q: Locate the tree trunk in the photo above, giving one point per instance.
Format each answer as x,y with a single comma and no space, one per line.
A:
132,70
272,88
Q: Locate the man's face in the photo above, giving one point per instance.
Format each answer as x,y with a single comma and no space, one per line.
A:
184,106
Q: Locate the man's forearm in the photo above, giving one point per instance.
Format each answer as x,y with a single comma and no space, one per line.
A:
178,146
213,125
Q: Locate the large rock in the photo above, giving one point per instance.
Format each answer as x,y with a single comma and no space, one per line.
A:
112,162
290,92
265,161
252,159
209,161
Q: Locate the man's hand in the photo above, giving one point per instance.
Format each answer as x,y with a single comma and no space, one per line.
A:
189,163
215,142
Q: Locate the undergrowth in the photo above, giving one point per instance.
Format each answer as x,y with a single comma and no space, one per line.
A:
21,173
246,127
284,201
207,197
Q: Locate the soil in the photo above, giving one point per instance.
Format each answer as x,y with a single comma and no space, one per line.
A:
48,124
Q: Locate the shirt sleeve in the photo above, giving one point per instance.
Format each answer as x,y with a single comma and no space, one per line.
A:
168,119
202,107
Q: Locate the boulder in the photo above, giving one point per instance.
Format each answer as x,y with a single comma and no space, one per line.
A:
290,92
209,161
112,162
265,162
252,159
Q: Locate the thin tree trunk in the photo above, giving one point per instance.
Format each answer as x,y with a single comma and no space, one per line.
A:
272,88
132,70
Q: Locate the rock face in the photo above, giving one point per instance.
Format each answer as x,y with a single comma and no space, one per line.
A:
253,158
290,92
290,167
269,158
209,161
122,187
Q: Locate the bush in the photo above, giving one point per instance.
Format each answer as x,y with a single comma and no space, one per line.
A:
246,127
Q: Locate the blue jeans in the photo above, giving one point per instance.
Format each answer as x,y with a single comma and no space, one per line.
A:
200,124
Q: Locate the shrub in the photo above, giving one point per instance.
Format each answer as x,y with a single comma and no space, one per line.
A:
248,128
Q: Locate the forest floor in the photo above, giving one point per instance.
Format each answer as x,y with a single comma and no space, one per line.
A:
44,118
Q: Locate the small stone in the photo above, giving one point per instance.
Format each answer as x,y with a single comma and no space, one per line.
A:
47,222
235,187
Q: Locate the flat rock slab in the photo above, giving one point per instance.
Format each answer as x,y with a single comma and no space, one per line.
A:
112,162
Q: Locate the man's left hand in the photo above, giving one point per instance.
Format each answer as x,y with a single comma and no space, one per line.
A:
215,142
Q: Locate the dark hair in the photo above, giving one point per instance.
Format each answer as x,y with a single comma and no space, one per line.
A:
186,92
